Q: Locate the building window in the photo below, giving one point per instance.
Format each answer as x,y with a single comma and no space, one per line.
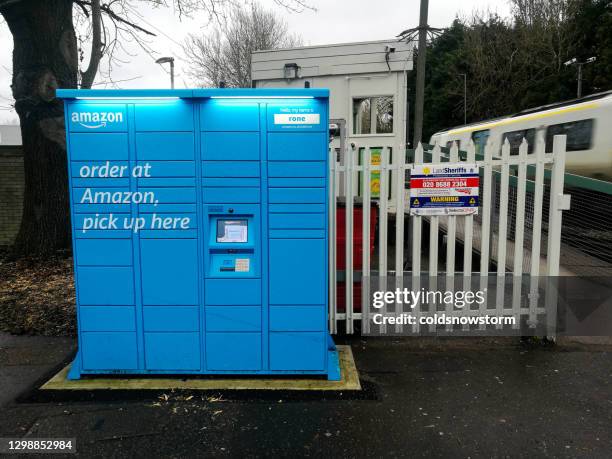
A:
362,116
373,115
515,138
384,115
579,135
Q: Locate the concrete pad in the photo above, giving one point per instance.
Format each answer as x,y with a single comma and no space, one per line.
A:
349,381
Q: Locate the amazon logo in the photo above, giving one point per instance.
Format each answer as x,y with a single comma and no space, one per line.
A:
95,120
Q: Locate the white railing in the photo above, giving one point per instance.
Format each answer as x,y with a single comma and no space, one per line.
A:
484,234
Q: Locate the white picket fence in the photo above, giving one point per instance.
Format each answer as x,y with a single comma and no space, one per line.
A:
485,235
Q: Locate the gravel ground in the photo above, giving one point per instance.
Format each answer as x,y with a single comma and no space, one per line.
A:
37,296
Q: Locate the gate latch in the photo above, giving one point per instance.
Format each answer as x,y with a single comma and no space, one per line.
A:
565,201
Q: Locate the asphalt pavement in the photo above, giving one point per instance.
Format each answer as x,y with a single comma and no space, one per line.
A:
452,398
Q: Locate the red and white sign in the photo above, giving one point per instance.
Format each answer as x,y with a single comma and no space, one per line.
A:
444,189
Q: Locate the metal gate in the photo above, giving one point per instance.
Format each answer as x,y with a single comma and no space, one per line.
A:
517,229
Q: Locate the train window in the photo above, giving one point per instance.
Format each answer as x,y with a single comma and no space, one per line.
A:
515,138
579,135
450,143
480,140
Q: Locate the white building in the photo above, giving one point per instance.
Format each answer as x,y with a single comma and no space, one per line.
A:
367,83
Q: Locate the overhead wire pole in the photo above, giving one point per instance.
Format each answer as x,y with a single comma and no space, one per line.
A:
420,79
464,75
422,32
579,64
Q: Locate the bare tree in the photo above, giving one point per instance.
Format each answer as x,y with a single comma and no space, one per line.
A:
224,55
524,55
47,56
541,26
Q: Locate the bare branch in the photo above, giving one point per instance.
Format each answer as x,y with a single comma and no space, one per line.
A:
81,5
225,54
125,26
297,6
97,48
107,10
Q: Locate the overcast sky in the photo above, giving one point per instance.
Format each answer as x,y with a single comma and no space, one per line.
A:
334,21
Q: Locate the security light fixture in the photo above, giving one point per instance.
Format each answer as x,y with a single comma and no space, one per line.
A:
168,60
570,62
164,60
290,71
579,64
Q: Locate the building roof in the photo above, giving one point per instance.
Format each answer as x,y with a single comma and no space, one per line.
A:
334,45
334,59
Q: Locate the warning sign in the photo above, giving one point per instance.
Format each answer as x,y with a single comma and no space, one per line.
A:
444,189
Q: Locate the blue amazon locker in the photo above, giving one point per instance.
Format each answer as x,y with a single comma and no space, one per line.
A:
200,231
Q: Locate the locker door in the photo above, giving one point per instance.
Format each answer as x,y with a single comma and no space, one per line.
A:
165,140
104,262
297,195
297,271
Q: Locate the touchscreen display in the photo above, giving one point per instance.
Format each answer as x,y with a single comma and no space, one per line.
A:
232,231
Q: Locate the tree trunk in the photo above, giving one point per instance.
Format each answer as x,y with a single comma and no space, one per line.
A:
44,59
